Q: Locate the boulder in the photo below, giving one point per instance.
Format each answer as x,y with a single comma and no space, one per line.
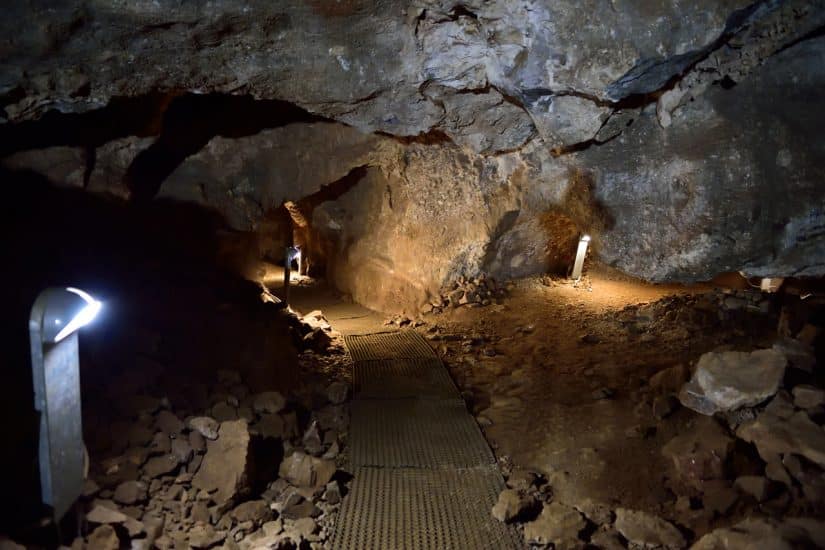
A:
766,534
556,524
160,465
729,380
647,530
105,515
775,436
225,465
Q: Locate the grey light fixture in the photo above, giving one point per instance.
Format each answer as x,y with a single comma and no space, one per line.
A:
56,316
580,254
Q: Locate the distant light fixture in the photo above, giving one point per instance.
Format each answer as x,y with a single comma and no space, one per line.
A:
56,316
771,284
580,254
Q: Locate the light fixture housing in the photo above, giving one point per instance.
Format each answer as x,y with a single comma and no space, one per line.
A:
581,252
55,317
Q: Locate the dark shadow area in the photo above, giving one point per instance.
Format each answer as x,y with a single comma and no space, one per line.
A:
175,312
123,116
192,120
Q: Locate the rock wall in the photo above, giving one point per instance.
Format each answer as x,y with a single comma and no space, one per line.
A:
683,137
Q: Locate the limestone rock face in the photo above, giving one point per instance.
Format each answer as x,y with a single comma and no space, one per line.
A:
685,139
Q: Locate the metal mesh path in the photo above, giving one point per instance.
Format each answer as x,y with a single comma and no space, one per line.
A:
424,477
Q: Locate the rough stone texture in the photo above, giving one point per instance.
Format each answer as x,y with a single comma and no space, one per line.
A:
729,380
511,504
557,524
551,109
246,177
646,530
224,467
767,534
699,454
774,436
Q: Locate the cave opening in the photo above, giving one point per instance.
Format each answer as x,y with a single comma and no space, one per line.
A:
372,277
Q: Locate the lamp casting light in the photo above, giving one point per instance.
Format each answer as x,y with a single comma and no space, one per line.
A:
580,254
55,317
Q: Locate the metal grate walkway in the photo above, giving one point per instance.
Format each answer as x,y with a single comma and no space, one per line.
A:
424,477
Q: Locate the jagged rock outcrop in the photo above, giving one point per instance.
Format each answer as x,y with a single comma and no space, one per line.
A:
684,138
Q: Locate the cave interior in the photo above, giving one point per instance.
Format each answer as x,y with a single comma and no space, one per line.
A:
426,274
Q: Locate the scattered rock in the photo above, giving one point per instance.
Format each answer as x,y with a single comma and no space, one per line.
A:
337,392
207,427
699,454
104,537
105,515
306,471
270,426
755,486
774,436
224,467
256,511
806,396
729,380
765,534
268,402
160,465
205,536
130,492
169,423
512,505
644,529
556,524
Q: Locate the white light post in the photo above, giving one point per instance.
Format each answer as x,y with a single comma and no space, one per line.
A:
56,316
580,253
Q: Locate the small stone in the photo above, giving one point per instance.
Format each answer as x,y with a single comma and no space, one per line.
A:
104,538
522,480
337,392
168,423
647,530
182,450
223,412
305,527
130,492
806,396
306,471
270,426
719,499
557,524
204,536
105,515
297,509
663,406
755,486
268,402
512,505
312,440
160,465
775,471
207,427
256,511
332,493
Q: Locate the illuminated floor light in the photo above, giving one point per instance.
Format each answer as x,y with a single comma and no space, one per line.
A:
55,317
580,254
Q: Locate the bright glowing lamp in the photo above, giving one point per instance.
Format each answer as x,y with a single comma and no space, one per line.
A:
56,316
580,254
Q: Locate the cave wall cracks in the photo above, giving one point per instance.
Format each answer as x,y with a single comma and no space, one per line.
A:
686,138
